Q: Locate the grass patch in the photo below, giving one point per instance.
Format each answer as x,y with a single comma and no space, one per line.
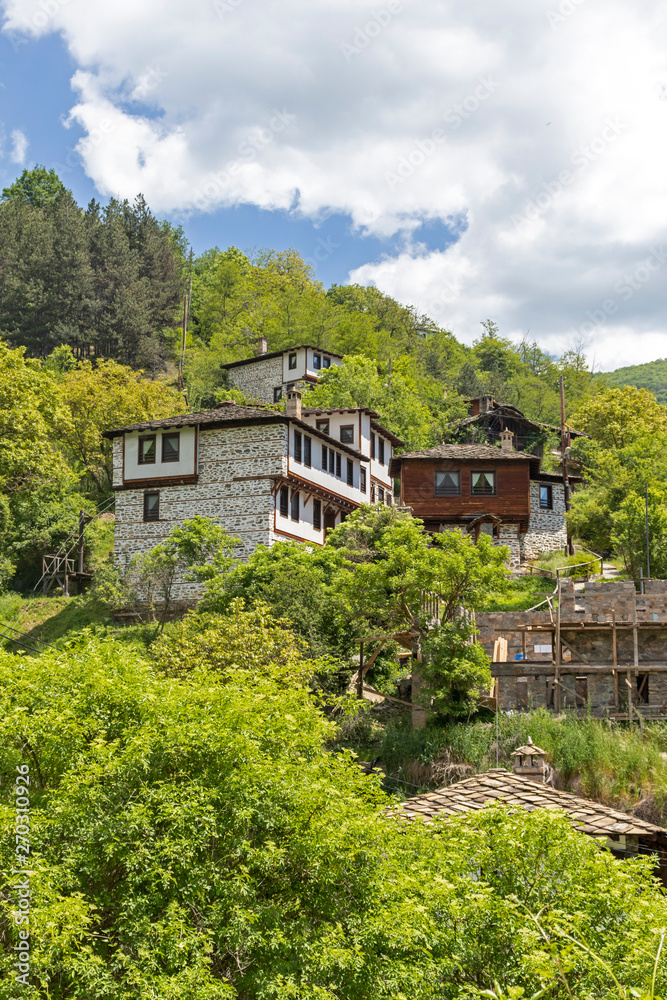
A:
558,560
522,593
54,620
612,764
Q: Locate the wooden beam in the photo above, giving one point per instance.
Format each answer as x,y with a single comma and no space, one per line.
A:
576,652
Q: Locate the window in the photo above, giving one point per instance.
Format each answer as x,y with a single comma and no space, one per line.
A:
307,451
347,434
147,450
338,466
380,495
381,451
292,362
447,483
326,362
151,506
325,452
332,461
297,446
482,483
642,688
317,361
372,492
277,394
546,497
284,501
294,512
581,692
317,515
362,480
372,445
522,692
323,426
171,447
350,473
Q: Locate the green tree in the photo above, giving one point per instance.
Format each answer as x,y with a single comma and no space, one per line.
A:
628,533
191,837
101,397
615,417
37,187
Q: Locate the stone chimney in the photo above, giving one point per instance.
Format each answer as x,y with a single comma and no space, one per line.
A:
506,440
263,347
293,405
486,403
531,762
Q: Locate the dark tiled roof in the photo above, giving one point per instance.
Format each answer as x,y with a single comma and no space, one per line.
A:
472,452
278,354
499,785
228,414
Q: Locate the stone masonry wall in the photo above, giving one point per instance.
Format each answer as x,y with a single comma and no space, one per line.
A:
258,380
601,601
546,528
244,507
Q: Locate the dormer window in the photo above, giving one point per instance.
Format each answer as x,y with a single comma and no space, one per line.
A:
292,362
147,449
171,447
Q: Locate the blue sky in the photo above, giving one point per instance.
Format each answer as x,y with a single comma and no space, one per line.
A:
36,97
499,161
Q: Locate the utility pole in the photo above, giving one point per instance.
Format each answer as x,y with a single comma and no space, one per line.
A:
564,451
648,554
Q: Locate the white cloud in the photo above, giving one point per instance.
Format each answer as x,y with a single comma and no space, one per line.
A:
19,147
541,126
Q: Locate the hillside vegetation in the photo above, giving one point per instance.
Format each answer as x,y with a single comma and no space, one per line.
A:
651,376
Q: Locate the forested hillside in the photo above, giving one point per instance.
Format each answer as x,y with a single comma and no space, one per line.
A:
651,376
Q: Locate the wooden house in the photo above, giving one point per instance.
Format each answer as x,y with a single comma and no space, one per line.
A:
626,836
487,419
263,474
482,489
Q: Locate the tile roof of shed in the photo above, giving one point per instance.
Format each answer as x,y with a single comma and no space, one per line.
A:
499,785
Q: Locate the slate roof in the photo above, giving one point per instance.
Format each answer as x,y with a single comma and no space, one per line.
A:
278,354
230,413
474,452
499,785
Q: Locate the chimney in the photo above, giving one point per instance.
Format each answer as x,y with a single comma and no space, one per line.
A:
293,405
486,403
531,762
263,347
506,440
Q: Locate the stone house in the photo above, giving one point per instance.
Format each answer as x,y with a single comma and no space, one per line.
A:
482,489
600,652
268,377
264,475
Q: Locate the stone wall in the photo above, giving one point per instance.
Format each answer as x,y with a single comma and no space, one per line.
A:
231,491
546,528
531,682
258,380
508,534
